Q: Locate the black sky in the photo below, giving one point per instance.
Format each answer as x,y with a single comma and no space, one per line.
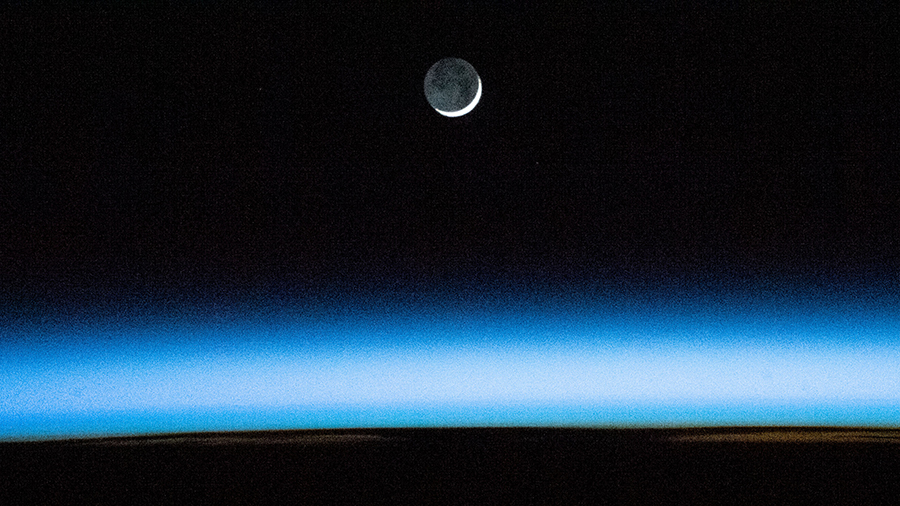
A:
191,149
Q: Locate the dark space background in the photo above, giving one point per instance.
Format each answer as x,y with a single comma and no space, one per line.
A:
195,153
170,160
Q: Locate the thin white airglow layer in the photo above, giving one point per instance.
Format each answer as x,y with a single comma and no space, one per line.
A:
425,374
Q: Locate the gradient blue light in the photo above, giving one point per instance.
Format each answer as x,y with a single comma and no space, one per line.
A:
575,365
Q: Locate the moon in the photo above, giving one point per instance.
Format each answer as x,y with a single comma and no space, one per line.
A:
452,87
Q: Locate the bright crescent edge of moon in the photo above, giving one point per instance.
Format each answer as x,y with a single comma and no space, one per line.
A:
467,108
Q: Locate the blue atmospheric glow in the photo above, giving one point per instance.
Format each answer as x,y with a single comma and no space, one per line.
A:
573,365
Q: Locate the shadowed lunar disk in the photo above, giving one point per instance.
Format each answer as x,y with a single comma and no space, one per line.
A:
452,87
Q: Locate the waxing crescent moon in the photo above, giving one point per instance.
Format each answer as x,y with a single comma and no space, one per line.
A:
467,108
452,87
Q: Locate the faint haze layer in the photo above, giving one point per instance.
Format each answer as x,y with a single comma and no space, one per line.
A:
513,355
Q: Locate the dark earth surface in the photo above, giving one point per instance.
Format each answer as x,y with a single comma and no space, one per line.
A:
461,466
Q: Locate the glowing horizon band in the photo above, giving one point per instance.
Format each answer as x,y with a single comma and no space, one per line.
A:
623,368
